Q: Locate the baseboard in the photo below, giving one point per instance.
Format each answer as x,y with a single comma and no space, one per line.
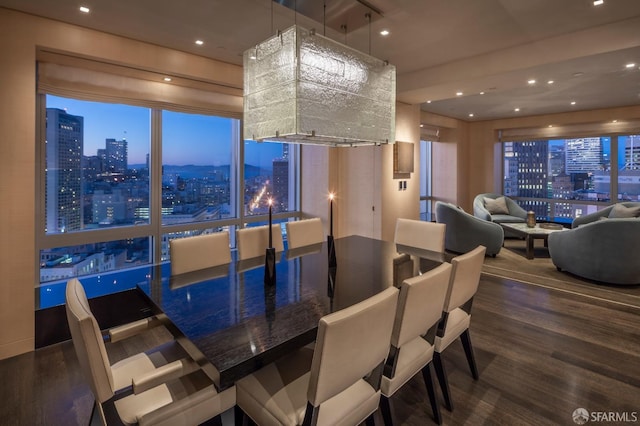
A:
9,350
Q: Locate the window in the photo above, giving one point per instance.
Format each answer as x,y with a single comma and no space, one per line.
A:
197,167
561,179
426,207
629,168
97,169
119,181
268,174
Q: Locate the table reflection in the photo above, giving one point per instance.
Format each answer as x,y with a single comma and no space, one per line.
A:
239,324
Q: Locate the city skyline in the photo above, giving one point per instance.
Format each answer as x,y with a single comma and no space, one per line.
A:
198,132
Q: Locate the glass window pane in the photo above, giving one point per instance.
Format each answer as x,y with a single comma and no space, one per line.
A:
425,169
62,263
629,168
560,169
197,172
97,165
268,173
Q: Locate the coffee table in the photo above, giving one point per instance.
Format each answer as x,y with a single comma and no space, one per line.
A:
531,234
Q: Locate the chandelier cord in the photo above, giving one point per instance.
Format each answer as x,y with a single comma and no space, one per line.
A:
324,19
368,16
271,19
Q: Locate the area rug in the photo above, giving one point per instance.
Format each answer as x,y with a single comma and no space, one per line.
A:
511,263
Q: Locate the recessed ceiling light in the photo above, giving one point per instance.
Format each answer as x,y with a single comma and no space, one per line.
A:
550,82
458,93
482,93
598,2
84,9
517,109
573,102
167,79
471,115
384,32
429,102
532,81
422,125
550,125
630,65
578,74
199,42
615,121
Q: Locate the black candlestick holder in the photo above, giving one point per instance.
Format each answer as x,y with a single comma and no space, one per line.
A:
331,251
270,266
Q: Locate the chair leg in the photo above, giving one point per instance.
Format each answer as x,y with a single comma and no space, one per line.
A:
385,409
431,391
468,350
442,379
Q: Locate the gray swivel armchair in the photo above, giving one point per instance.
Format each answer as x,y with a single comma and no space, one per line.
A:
464,232
603,250
514,212
606,212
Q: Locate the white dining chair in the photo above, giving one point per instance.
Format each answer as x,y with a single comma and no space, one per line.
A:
304,232
456,316
337,382
252,242
203,251
160,387
420,305
420,234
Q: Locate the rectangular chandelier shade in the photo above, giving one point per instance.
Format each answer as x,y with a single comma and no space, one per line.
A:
302,87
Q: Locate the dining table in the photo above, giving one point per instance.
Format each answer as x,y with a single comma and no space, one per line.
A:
235,321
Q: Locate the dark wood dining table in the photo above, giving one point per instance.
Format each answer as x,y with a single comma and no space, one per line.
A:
235,322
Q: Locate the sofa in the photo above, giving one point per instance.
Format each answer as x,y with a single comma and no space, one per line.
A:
464,232
600,248
606,212
513,213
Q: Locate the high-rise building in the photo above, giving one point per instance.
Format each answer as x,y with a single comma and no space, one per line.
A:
64,145
556,160
583,155
632,153
116,153
281,183
532,174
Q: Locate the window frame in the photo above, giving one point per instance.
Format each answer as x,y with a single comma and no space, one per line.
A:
613,170
154,229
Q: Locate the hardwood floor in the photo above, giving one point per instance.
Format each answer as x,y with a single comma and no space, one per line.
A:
541,354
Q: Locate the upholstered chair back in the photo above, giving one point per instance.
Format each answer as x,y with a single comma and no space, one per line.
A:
252,242
465,278
420,304
88,343
420,234
304,232
199,252
350,344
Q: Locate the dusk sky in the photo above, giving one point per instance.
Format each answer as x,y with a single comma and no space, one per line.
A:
187,138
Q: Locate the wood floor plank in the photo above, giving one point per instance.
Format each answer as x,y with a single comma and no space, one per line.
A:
541,354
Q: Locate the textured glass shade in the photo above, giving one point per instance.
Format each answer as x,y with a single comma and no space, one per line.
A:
302,87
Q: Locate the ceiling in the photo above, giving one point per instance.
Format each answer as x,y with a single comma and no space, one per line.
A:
439,47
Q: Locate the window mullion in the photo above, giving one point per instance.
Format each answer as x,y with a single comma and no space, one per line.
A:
156,184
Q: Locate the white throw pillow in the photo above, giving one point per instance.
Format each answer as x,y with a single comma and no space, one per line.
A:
496,206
